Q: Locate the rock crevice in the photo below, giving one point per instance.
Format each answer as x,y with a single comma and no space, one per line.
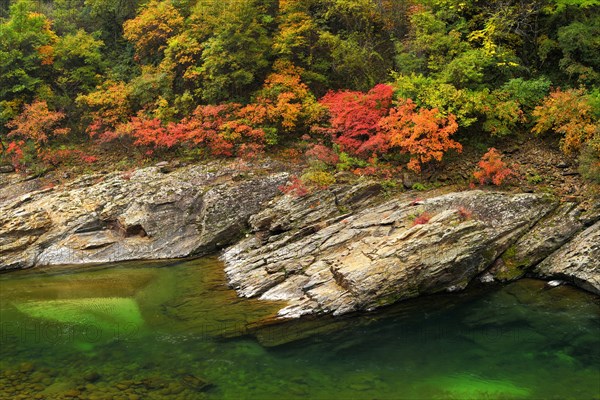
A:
194,210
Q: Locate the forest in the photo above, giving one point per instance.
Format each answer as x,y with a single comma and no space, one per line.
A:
370,86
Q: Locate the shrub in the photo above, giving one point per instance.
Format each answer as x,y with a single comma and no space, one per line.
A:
534,179
218,128
569,113
31,132
319,179
322,153
56,157
295,187
422,219
419,186
423,134
491,169
354,119
347,162
464,213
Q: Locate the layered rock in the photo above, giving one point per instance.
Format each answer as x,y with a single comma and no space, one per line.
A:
578,261
144,215
397,250
547,236
335,251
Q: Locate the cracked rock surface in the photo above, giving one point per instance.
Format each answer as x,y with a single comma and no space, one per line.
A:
324,262
335,251
149,214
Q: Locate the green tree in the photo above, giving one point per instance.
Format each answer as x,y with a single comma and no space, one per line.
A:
236,57
26,52
79,64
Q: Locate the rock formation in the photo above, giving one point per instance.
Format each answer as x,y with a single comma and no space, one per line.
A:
335,251
396,250
144,215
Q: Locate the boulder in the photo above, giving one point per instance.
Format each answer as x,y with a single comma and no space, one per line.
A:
577,262
191,211
339,263
6,169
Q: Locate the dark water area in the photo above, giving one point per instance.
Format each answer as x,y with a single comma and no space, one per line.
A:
160,330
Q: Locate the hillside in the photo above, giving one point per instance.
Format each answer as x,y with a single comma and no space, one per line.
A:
379,88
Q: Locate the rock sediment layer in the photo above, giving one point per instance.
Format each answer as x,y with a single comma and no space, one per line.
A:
397,250
146,215
336,251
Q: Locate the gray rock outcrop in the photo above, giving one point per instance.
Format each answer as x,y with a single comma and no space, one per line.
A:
578,261
143,215
335,251
394,251
548,235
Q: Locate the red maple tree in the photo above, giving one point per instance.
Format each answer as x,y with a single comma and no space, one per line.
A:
491,169
354,119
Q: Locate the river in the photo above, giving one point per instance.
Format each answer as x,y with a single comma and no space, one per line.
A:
159,330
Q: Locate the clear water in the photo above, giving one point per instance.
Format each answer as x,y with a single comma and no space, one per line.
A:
156,331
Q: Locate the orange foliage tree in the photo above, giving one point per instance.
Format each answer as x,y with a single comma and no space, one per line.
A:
150,30
109,107
35,125
491,169
423,134
222,130
569,113
147,132
284,104
214,127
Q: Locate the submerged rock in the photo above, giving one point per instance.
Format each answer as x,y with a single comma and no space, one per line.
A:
397,250
195,383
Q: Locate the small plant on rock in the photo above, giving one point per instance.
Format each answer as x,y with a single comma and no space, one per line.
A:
295,187
464,213
422,219
320,179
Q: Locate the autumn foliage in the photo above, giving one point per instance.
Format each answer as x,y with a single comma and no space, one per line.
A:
295,187
376,86
354,119
366,124
34,126
422,219
284,105
108,108
150,30
322,153
37,123
421,133
491,169
220,129
568,113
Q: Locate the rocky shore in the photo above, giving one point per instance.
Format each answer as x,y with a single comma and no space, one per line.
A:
335,251
152,213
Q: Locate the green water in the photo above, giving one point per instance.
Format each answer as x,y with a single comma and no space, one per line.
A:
156,331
